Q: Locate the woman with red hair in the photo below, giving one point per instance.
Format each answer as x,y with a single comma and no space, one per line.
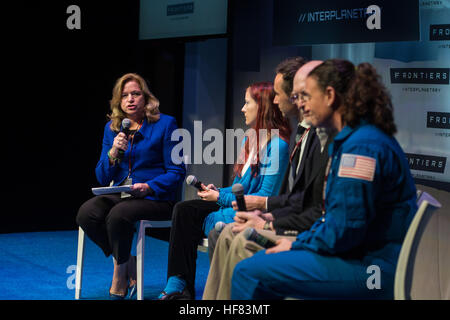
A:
259,169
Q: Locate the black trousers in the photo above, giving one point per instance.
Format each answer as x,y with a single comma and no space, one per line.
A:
185,235
109,221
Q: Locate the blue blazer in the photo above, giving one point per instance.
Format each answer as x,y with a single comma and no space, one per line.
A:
274,161
149,157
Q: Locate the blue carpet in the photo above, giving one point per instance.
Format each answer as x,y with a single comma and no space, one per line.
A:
41,266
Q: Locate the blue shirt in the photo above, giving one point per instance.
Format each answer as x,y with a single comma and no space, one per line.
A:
273,164
150,159
370,199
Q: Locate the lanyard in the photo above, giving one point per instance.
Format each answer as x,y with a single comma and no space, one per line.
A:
297,145
131,149
327,171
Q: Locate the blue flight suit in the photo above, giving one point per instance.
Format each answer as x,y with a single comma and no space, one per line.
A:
352,251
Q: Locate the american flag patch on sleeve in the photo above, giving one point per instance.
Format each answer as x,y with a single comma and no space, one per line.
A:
357,167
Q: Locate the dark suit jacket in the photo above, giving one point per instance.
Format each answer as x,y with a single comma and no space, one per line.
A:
300,208
284,189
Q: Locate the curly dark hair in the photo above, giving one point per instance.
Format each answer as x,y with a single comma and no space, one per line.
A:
368,98
288,68
360,91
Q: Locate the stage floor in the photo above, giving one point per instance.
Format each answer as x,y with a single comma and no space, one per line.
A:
41,266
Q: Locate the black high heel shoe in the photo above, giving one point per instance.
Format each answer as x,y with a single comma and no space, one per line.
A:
132,291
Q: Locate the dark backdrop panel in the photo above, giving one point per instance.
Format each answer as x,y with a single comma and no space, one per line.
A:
59,84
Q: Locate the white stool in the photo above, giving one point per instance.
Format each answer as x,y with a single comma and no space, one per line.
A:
140,250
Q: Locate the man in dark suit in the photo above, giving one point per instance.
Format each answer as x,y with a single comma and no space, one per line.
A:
285,215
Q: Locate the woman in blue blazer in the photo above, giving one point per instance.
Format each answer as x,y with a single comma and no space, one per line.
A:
264,158
141,159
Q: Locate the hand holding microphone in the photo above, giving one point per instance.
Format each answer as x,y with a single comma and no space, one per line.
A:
238,191
194,182
209,193
252,203
279,245
211,187
120,143
251,235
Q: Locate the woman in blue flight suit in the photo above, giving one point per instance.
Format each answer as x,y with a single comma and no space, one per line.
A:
369,200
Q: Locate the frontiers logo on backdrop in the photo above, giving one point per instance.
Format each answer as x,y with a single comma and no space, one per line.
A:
439,32
426,163
439,120
420,75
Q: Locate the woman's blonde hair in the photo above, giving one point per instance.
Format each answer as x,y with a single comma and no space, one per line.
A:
151,102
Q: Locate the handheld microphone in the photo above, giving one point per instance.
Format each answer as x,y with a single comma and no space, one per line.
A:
126,124
219,226
194,182
252,235
238,191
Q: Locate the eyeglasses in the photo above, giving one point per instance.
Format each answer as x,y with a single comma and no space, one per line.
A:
293,99
296,96
134,94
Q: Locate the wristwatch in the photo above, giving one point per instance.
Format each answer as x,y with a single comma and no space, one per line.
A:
267,226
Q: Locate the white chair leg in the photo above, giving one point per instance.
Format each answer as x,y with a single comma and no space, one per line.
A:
80,258
140,247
